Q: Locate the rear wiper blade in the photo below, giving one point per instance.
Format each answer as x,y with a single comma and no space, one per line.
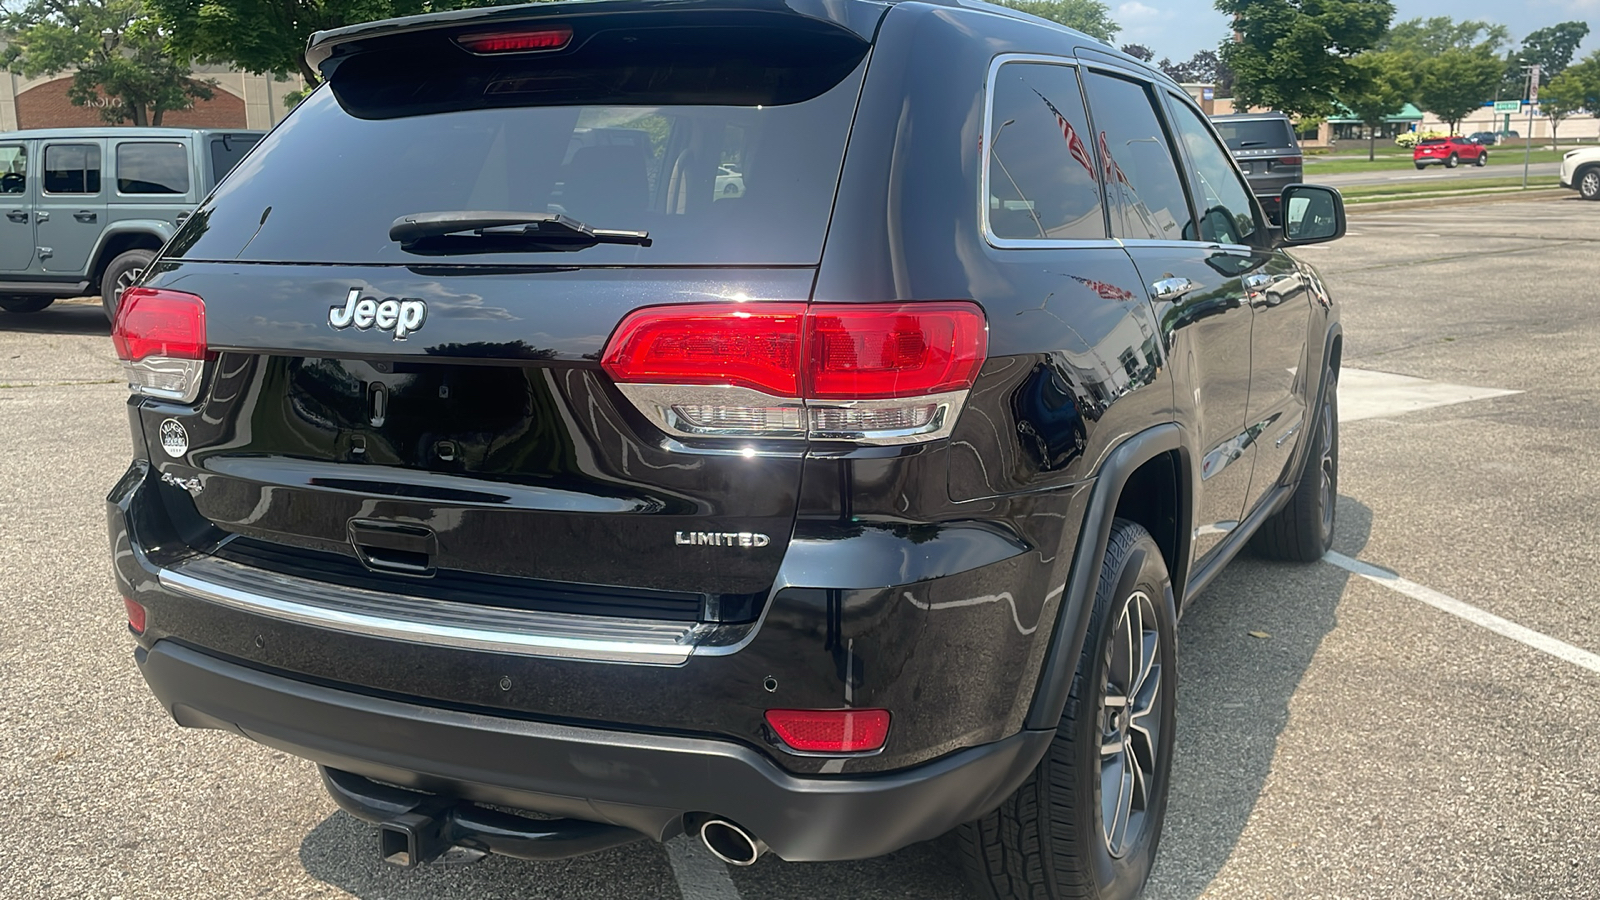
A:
477,231
1243,144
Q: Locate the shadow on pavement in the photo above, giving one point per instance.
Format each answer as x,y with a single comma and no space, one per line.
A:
1234,696
1234,693
59,318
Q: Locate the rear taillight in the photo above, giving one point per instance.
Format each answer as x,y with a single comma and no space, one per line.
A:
883,373
1290,161
830,730
160,336
516,41
135,615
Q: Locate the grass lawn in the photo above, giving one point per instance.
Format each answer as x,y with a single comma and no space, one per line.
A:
1373,192
1501,155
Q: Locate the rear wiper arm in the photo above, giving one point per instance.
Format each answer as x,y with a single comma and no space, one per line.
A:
476,231
1243,144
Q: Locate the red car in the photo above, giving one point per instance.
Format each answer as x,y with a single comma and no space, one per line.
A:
1449,152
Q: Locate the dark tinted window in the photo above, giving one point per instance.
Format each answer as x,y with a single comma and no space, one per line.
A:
1042,182
1142,185
1256,134
72,169
152,168
1226,213
13,168
1434,141
226,151
711,183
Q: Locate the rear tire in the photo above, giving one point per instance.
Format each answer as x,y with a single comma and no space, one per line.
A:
1452,162
25,304
1111,756
1589,183
1420,167
120,275
1303,530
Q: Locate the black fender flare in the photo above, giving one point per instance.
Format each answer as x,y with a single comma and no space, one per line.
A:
1077,601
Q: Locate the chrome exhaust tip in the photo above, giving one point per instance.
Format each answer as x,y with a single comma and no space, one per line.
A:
730,843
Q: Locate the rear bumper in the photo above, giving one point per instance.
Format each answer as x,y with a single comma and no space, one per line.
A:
639,781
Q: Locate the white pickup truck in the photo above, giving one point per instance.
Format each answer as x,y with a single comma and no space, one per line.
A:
1580,171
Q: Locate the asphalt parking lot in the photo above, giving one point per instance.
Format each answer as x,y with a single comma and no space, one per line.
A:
1338,736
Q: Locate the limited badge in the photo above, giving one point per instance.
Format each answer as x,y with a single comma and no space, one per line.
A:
174,439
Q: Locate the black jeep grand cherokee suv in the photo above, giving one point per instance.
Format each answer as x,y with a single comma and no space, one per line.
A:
492,453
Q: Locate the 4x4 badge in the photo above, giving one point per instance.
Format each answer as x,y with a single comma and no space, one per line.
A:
397,316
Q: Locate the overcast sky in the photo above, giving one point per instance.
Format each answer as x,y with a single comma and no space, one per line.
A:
1177,28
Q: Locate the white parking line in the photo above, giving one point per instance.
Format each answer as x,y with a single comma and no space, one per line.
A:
700,875
1504,627
1365,394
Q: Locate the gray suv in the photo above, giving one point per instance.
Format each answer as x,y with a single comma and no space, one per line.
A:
86,208
1267,151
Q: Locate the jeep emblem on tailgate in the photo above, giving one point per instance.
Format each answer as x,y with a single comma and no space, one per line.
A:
392,314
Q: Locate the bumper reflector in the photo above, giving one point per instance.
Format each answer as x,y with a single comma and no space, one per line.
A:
135,616
830,730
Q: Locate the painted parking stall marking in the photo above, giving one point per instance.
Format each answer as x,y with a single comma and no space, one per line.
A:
1365,394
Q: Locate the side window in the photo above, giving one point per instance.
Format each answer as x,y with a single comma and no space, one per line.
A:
1226,213
1143,188
152,168
13,168
72,169
226,151
1042,183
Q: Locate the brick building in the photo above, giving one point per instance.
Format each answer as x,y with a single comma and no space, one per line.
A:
239,100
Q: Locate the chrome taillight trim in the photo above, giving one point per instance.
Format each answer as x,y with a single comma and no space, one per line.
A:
660,403
184,374
420,620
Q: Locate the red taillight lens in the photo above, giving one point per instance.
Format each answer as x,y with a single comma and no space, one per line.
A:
1290,161
830,730
747,345
135,616
154,322
885,351
516,41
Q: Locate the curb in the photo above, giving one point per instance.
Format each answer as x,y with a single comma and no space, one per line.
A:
1356,209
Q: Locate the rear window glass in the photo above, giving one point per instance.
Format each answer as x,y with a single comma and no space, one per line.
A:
226,151
152,168
72,169
713,183
1258,134
1435,141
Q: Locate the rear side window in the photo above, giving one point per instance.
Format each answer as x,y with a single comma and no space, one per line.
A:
1143,188
226,150
1256,134
72,169
1041,178
152,168
726,150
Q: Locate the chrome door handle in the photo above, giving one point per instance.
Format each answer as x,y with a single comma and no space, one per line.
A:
1257,281
17,215
1171,288
85,215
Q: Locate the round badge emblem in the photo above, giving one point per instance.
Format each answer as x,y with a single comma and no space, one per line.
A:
174,439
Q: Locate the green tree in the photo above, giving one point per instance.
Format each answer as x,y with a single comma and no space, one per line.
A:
1205,67
1562,98
1088,16
1456,82
269,36
1551,49
1293,55
1378,90
118,55
1430,37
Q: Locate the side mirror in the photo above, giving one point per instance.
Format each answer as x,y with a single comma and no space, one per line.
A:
1312,214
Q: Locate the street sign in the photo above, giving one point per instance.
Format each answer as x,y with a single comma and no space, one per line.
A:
1507,105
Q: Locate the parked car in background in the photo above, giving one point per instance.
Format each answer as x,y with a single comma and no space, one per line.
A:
1267,151
1448,152
823,519
1486,138
85,209
1580,171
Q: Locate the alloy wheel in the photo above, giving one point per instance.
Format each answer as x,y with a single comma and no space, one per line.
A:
126,280
1131,709
1328,467
1590,185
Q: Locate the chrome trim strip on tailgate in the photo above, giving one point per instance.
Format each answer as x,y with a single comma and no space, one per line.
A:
441,623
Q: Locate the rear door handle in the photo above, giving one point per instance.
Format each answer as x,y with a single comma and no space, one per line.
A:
1257,281
1171,288
85,215
17,215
